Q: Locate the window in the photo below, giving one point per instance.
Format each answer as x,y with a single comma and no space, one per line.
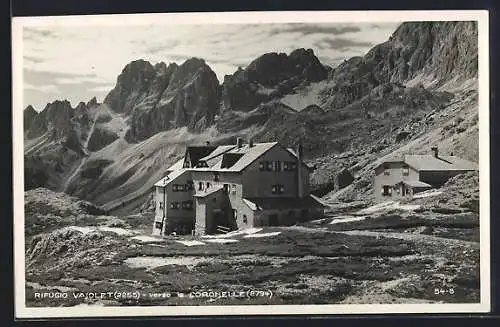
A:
289,165
273,220
386,190
174,205
406,171
262,165
179,187
278,189
387,169
277,166
187,205
235,213
216,176
202,164
158,225
208,184
226,188
161,204
189,186
200,186
269,166
245,220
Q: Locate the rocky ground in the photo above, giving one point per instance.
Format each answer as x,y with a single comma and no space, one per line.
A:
424,251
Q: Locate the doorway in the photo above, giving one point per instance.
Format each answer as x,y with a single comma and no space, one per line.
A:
273,220
386,190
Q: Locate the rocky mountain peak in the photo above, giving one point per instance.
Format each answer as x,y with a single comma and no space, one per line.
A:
29,114
56,117
160,67
29,108
162,97
270,76
136,77
431,52
92,102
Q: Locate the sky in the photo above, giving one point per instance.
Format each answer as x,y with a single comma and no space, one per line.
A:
79,62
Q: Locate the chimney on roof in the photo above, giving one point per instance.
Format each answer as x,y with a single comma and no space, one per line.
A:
250,142
239,142
300,183
436,151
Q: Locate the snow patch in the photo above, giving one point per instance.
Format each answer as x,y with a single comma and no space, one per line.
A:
83,230
346,219
262,235
117,230
222,240
235,233
427,194
305,97
191,243
154,262
146,239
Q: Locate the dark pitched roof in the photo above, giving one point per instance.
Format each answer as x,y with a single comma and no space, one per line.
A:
195,153
229,159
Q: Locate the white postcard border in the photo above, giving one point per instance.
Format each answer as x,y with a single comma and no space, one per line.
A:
21,311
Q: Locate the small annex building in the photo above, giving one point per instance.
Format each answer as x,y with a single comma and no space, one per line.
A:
401,177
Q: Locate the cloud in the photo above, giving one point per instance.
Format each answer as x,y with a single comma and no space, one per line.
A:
161,47
80,79
102,88
46,88
341,43
315,29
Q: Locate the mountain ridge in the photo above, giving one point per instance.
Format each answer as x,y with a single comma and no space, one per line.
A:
360,106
